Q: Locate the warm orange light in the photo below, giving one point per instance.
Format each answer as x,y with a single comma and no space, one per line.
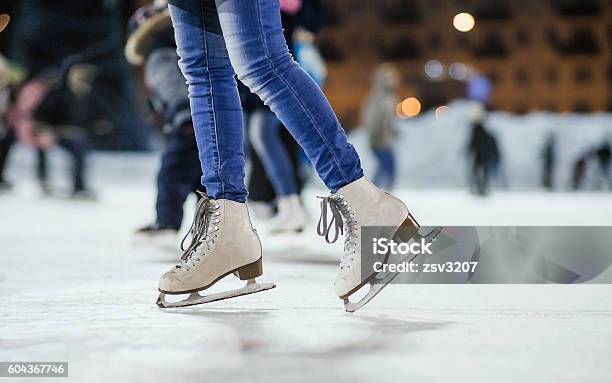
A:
411,107
464,22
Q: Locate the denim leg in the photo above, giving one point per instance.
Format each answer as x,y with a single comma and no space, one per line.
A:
379,176
42,166
78,150
385,168
6,143
258,51
391,168
213,94
177,175
389,162
264,129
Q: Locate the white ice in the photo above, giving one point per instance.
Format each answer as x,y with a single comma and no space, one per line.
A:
74,288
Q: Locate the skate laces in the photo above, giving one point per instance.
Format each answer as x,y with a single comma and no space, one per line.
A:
202,231
342,221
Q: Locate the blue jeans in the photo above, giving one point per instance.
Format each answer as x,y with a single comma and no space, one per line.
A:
385,171
178,176
265,133
214,38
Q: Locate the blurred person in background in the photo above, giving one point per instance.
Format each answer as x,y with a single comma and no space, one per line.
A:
483,156
54,35
596,159
151,43
603,154
379,118
264,196
10,78
49,111
579,171
549,162
276,150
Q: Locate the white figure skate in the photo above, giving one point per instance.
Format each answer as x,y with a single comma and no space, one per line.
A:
165,238
362,204
223,242
291,216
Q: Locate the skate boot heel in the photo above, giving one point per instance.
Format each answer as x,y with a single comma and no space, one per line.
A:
407,230
250,271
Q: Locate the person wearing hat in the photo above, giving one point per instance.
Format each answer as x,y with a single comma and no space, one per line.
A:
151,44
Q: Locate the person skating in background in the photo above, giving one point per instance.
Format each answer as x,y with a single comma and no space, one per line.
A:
277,153
214,39
151,43
579,171
273,178
549,162
603,155
49,34
10,78
49,111
483,156
600,156
379,119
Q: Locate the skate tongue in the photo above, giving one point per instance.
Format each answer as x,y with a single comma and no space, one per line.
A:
324,227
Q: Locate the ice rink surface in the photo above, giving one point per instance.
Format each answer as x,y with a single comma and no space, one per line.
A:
76,288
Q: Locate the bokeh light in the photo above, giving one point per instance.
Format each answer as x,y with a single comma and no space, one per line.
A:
458,71
410,107
434,69
464,22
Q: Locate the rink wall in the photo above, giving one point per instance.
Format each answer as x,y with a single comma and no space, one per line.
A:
431,151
